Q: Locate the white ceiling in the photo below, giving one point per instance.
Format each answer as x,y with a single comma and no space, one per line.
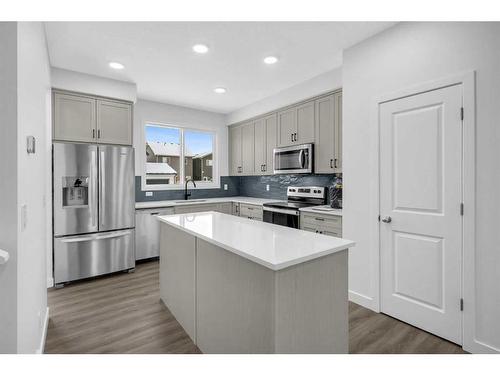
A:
158,56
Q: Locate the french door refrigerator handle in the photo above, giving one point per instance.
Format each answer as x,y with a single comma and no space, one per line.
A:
93,185
103,236
101,188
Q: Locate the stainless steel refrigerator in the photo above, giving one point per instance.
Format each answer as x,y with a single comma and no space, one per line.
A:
93,210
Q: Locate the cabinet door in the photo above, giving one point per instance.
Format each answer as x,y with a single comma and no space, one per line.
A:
114,122
337,164
286,127
74,118
247,148
305,123
325,135
270,143
235,150
260,146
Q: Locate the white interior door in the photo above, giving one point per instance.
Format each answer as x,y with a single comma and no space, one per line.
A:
420,200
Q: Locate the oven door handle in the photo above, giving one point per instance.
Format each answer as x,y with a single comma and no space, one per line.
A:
282,211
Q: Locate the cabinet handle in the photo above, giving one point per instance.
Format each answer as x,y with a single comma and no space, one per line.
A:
295,136
291,135
93,133
99,133
319,219
331,161
335,163
265,168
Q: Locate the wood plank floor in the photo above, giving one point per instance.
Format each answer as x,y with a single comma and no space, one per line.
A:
122,313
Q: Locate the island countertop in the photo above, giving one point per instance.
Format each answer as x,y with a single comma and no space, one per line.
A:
273,246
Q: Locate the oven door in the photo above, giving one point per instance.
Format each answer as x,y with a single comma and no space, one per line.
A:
280,216
293,159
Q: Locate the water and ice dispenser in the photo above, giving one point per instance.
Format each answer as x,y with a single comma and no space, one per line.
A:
75,191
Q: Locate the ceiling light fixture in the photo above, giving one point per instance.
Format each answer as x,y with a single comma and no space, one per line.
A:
220,90
116,65
200,48
271,60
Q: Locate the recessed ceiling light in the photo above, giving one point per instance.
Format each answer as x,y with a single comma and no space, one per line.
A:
271,60
116,65
200,48
220,90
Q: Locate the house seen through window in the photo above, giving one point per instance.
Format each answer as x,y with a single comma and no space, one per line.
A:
174,155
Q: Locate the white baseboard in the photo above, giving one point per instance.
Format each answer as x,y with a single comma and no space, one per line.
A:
362,300
50,282
41,348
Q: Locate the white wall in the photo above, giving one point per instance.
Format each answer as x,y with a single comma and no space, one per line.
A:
145,111
33,105
94,85
8,186
318,85
406,55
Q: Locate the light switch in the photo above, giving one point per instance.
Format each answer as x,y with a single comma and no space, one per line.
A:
267,187
24,217
225,186
149,193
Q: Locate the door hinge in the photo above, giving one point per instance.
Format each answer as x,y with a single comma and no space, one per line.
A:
462,113
461,209
461,304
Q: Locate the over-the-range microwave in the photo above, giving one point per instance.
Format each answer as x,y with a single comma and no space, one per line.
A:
294,159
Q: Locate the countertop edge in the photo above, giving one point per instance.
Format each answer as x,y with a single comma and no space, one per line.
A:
273,267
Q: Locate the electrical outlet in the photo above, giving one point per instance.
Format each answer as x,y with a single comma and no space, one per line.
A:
267,187
149,193
225,186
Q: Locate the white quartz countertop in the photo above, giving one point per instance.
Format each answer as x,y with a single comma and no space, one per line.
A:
273,246
326,210
179,202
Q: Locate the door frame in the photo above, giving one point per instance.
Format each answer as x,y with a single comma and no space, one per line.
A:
467,81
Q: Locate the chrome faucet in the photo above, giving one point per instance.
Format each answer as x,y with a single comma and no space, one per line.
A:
186,194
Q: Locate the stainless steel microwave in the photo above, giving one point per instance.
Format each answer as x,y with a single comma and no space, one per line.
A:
294,159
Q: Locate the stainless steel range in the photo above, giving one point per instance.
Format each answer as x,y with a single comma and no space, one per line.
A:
287,212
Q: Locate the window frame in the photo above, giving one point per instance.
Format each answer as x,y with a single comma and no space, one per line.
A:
215,184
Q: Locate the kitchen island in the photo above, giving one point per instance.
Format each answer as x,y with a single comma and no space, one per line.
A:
243,286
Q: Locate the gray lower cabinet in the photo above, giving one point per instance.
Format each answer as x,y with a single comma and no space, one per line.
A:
251,211
85,118
323,224
147,232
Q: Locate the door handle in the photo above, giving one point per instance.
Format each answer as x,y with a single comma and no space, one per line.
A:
387,219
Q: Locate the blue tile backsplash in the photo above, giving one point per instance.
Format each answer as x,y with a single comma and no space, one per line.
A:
250,186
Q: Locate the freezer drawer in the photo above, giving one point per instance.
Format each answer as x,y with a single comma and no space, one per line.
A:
79,257
147,237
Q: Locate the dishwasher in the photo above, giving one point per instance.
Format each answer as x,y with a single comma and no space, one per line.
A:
147,232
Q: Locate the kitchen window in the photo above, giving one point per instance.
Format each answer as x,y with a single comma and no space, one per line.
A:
175,155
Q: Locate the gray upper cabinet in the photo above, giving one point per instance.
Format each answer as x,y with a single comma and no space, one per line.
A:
287,125
83,118
317,121
235,167
337,164
271,143
305,123
328,134
296,125
114,122
74,118
248,148
260,146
